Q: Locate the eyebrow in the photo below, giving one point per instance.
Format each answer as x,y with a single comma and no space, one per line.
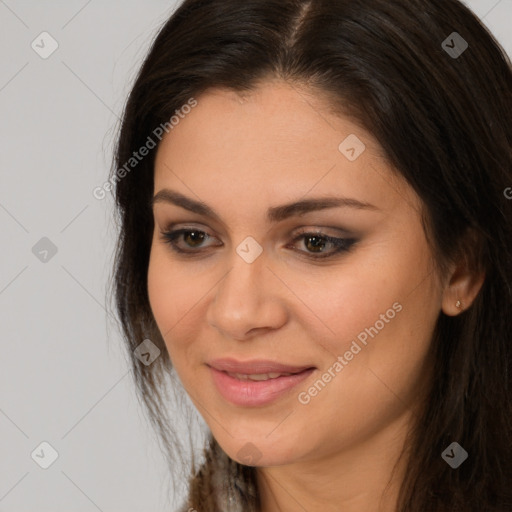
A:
274,213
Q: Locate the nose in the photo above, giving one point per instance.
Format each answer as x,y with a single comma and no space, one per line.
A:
248,301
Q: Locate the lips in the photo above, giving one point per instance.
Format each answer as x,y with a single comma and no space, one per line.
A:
258,376
255,367
257,382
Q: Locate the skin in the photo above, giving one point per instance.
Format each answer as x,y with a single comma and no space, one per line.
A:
240,156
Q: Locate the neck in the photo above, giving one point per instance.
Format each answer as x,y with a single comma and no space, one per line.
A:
354,479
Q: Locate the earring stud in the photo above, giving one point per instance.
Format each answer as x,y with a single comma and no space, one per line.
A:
458,304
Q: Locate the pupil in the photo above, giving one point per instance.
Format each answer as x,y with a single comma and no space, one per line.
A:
318,242
196,237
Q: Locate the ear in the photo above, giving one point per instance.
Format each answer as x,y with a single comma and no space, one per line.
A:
464,282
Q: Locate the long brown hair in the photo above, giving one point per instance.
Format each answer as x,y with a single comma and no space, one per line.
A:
440,105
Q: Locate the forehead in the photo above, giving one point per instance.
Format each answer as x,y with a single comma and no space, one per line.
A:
277,137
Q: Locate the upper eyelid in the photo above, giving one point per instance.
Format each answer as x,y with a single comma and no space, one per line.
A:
302,231
298,235
339,231
340,245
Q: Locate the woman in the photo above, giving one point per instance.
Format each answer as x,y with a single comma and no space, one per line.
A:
316,234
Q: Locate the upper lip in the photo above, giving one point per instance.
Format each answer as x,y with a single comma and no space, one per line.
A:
254,366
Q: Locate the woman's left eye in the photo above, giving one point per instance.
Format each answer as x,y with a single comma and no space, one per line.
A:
315,242
318,241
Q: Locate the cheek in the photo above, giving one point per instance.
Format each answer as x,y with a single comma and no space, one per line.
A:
383,335
168,294
177,301
159,290
342,301
380,313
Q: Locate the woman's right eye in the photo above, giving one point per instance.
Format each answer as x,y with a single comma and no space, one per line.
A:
193,238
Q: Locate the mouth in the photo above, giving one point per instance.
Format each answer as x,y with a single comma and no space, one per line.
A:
256,383
258,377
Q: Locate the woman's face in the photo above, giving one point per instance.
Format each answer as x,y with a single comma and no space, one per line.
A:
260,289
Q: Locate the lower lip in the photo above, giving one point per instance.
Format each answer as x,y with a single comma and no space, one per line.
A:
251,393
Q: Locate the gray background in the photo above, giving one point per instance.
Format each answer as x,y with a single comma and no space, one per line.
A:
64,378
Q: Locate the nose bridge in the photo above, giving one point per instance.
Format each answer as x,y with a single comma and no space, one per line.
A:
245,298
244,286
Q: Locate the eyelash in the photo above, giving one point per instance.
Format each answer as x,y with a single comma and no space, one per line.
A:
341,245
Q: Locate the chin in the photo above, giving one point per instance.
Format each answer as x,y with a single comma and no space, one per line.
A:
260,450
